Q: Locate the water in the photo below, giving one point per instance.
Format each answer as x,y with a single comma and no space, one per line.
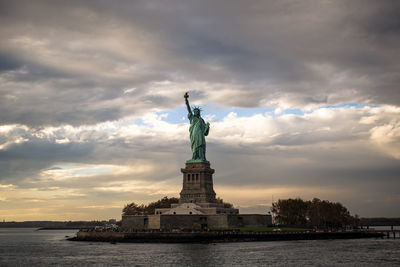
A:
27,247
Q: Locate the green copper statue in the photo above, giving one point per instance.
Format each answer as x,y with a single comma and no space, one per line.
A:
198,130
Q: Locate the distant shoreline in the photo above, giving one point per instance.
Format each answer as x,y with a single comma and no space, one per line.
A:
59,228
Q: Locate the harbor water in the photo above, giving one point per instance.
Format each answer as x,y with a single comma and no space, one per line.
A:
28,247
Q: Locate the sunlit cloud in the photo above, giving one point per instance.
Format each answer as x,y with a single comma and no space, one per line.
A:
149,188
7,186
68,171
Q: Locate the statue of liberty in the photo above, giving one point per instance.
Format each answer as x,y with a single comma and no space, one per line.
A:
198,130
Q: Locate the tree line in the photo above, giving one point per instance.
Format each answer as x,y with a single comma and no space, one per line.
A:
320,213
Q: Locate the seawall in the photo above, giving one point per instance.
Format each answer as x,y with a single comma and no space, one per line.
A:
215,236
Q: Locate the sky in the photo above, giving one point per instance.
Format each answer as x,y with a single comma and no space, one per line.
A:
302,97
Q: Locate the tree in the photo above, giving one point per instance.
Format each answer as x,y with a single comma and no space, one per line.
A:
321,213
133,209
290,211
226,204
328,214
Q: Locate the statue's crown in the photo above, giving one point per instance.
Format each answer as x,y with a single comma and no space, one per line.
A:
197,108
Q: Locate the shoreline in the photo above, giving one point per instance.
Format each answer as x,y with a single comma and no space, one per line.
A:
215,237
59,228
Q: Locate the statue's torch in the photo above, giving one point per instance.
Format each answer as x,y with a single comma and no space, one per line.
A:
186,95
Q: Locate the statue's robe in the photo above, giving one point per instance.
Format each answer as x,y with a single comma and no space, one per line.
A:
198,129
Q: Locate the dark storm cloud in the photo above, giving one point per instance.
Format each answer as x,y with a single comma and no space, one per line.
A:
8,63
26,160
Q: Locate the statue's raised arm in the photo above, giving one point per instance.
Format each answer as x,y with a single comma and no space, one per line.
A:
186,96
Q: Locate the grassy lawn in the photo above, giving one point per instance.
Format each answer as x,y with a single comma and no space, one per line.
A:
261,229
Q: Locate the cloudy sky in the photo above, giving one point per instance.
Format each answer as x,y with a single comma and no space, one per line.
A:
302,96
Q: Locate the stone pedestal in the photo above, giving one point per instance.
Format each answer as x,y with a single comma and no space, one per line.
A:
197,183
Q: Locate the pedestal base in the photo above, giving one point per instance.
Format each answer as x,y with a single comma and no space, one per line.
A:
197,183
